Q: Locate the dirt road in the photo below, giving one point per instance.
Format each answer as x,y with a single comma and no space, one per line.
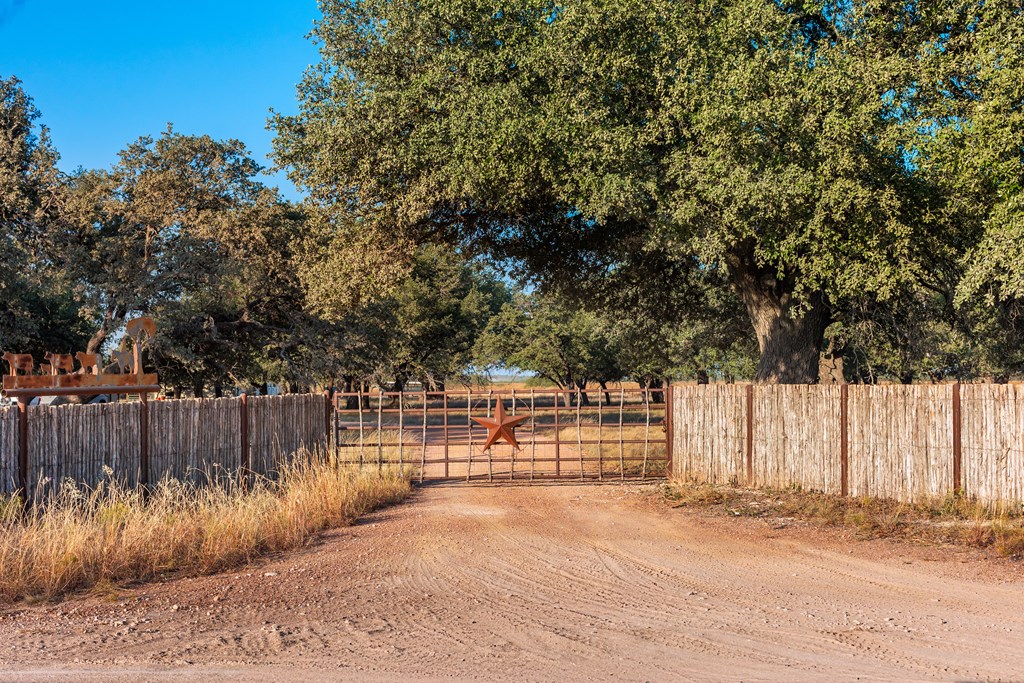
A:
547,583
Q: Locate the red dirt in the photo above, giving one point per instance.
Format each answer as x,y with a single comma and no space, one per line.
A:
566,583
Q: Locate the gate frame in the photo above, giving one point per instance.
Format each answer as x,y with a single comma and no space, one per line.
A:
429,401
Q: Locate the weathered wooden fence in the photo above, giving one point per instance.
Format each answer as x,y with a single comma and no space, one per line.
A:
902,442
8,448
187,439
282,425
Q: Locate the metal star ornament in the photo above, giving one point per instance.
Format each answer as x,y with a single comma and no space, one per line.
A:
501,427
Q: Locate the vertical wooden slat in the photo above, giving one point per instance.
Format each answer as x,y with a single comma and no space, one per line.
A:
245,462
144,441
669,442
957,442
750,434
844,440
23,473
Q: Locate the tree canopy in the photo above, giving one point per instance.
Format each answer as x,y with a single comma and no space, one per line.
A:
807,150
711,189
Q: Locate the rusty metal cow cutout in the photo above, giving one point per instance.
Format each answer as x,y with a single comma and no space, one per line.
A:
61,361
59,377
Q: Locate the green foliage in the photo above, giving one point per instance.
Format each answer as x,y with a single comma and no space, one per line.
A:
817,153
246,322
760,137
154,227
702,190
543,335
37,312
425,328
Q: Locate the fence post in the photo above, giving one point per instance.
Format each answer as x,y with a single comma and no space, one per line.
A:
327,423
246,464
958,482
668,430
26,499
144,441
750,435
844,439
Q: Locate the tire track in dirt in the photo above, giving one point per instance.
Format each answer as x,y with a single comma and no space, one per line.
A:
548,583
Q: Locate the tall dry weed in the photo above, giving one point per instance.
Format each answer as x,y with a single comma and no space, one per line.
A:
115,535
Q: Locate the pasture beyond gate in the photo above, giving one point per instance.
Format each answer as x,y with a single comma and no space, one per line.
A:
618,434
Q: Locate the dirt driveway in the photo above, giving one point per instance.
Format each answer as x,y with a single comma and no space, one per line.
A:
547,583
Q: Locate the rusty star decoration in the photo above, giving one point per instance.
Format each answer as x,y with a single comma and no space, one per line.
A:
501,427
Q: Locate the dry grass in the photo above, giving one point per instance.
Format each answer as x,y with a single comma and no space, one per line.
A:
952,520
114,535
633,455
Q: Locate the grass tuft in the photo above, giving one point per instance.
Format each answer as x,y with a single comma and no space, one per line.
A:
114,535
953,519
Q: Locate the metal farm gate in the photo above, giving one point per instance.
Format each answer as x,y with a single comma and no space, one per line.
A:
593,435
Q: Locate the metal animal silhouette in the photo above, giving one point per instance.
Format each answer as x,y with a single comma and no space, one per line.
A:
89,362
22,362
60,377
61,361
141,326
125,360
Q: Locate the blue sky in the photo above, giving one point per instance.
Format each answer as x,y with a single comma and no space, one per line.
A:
105,73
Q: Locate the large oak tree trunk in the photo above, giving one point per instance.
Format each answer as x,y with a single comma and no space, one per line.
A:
790,332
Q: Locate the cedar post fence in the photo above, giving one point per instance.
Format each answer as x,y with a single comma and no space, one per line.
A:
138,443
844,439
904,442
26,499
750,434
245,464
957,442
144,442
